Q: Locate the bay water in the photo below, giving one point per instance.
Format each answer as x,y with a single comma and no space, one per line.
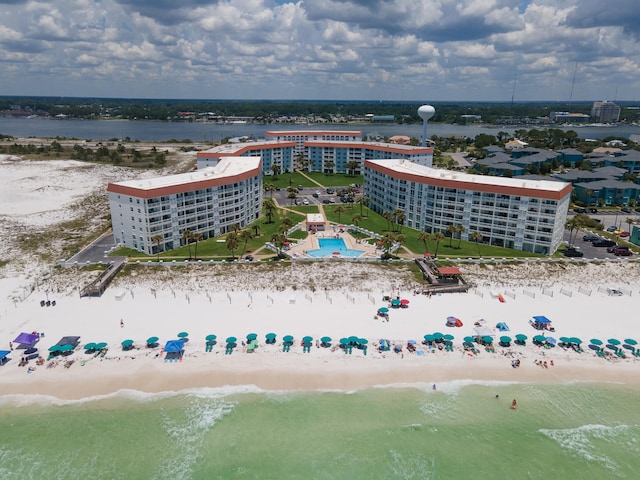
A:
457,430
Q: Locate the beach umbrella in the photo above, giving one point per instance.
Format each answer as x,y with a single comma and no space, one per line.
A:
210,338
101,345
232,339
438,336
54,348
487,339
325,339
521,337
270,336
353,339
448,337
183,335
363,341
152,340
630,341
411,342
550,340
575,340
469,339
404,301
67,347
565,340
287,338
252,336
539,338
90,346
505,339
596,341
345,341
30,350
307,339
127,343
383,310
614,341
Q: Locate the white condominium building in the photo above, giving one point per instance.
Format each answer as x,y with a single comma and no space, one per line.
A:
520,214
272,153
206,202
302,136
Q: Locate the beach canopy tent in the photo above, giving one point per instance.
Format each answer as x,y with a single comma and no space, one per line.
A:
503,327
4,356
27,338
454,322
541,322
174,346
483,331
69,341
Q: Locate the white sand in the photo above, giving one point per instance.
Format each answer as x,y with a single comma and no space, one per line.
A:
333,299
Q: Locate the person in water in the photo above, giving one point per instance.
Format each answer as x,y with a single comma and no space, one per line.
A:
514,404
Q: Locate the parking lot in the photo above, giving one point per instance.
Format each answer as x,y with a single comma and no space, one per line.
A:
608,219
310,196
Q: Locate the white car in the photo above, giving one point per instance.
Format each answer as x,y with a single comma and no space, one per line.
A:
305,202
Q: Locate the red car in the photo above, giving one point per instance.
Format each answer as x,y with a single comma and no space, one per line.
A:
623,253
624,234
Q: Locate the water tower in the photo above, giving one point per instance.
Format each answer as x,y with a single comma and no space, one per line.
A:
425,112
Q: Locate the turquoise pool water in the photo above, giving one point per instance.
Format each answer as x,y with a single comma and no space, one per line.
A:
330,245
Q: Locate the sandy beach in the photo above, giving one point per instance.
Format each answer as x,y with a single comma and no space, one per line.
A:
335,299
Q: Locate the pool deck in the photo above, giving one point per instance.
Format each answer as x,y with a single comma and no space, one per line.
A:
311,243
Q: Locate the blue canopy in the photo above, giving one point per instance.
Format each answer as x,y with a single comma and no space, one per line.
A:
502,327
541,319
174,346
4,353
27,338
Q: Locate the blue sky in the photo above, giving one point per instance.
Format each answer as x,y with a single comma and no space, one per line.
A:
428,50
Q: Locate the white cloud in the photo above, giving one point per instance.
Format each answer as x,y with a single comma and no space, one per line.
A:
353,49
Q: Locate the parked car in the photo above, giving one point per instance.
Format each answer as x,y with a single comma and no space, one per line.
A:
624,234
603,242
623,253
573,252
249,258
612,228
590,238
305,202
593,210
326,201
316,194
300,188
625,210
330,191
580,210
612,248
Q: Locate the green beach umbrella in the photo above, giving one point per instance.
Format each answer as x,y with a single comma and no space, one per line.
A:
67,347
363,341
307,339
614,341
127,343
344,341
210,338
183,335
630,341
383,310
521,337
353,339
54,348
152,340
325,339
101,345
539,338
505,339
270,336
575,340
565,340
252,336
448,336
438,336
487,339
90,346
596,341
395,301
232,339
429,337
469,339
288,338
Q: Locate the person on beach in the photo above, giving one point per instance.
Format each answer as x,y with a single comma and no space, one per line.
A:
121,323
10,345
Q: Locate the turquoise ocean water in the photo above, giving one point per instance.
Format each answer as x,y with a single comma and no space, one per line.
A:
461,430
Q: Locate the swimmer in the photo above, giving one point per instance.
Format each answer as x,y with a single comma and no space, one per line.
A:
514,404
434,387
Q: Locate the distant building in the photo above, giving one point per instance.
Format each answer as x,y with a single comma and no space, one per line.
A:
301,136
605,112
207,202
521,214
566,117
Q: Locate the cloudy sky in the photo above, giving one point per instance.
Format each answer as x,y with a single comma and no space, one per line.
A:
431,50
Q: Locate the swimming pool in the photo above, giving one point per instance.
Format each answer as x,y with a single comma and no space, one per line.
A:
330,245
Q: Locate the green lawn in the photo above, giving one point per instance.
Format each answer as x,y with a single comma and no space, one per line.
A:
336,180
285,180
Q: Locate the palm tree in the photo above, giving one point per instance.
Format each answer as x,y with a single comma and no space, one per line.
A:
269,188
196,237
451,229
245,235
157,239
352,167
459,230
363,202
424,237
232,243
476,237
275,169
186,236
256,230
270,206
278,240
329,165
438,237
285,224
293,194
388,216
356,219
571,225
399,217
339,210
